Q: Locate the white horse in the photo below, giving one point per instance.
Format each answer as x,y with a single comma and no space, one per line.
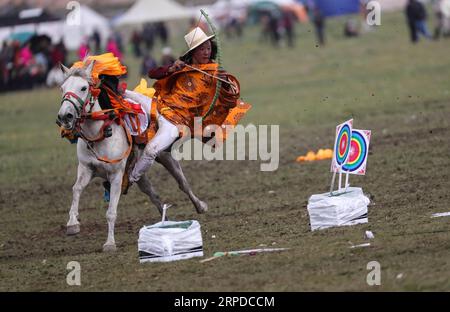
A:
76,105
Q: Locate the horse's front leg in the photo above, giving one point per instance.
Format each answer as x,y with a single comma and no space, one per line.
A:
111,214
84,176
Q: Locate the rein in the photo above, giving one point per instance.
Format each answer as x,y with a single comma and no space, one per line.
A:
109,116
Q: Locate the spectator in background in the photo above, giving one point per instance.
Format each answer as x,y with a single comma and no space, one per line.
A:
25,56
136,41
319,24
410,13
23,74
148,36
167,57
148,63
421,21
162,32
112,47
264,20
7,53
288,25
270,27
39,69
351,29
84,49
441,10
4,63
119,41
58,54
416,16
96,39
233,25
273,28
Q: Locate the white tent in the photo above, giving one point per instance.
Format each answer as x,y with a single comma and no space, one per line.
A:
90,21
220,11
51,29
72,35
223,8
144,11
35,20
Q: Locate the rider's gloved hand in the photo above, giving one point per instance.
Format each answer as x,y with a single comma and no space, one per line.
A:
178,65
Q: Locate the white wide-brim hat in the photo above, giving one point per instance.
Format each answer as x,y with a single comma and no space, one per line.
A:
195,38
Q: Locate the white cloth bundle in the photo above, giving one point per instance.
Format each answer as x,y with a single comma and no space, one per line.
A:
170,241
341,208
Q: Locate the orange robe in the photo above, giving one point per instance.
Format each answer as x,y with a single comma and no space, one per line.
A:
187,94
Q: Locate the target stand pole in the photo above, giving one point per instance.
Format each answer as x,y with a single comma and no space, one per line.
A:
165,207
340,179
332,183
347,175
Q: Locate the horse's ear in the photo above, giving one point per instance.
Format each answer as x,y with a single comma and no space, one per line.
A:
64,69
89,68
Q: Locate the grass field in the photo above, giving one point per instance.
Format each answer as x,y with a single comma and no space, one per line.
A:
399,91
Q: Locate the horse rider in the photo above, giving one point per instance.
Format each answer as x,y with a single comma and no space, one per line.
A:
187,89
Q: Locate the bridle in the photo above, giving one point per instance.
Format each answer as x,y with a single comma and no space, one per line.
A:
109,116
79,105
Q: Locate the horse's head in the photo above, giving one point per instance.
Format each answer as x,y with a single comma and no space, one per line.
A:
76,93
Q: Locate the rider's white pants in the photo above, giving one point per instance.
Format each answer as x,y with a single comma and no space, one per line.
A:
167,134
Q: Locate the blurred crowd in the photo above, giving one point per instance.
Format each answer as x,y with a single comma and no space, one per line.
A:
417,16
93,45
143,42
276,28
35,62
28,65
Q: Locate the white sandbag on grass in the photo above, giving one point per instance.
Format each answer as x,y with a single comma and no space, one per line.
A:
341,208
169,241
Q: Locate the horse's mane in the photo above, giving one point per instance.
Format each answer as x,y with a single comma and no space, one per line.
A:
78,72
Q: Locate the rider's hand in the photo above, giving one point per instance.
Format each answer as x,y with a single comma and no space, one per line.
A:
222,75
178,65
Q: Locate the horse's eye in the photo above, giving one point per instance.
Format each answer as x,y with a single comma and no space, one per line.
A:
84,89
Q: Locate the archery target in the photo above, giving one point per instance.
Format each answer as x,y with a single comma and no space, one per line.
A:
359,150
342,144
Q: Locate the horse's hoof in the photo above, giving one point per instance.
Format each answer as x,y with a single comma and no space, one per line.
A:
73,229
202,207
109,248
